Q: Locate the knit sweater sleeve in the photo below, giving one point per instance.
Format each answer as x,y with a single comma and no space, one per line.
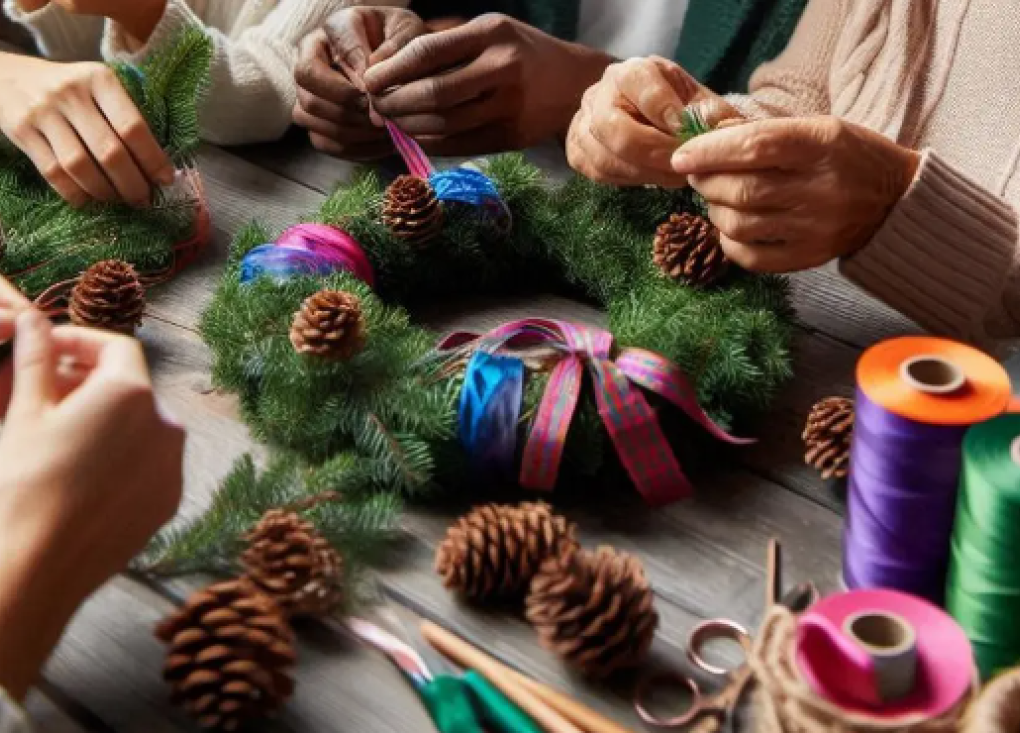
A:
12,716
253,92
60,35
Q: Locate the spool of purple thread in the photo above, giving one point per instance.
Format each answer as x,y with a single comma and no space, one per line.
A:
913,410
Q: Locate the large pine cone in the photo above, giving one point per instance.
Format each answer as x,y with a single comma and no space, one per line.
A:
827,436
109,295
687,249
330,325
493,551
288,559
230,651
411,210
594,610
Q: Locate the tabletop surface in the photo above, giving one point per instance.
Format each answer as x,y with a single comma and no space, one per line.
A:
705,557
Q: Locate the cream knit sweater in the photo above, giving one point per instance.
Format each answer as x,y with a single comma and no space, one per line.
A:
253,90
941,76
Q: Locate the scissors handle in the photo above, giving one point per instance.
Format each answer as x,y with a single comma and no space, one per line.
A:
450,706
714,630
656,680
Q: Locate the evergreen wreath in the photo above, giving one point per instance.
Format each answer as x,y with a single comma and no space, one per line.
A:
48,244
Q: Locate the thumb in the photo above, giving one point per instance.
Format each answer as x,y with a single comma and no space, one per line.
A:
350,43
400,30
35,363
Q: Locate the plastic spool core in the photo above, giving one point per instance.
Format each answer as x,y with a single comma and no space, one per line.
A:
932,374
1014,451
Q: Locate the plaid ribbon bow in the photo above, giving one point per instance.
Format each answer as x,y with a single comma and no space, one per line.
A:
629,419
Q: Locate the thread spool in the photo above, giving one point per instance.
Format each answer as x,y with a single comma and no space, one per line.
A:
916,397
891,644
983,585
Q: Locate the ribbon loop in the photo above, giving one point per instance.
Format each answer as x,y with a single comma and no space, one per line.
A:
630,421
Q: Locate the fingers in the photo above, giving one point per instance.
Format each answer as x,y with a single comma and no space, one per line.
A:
356,115
659,90
765,190
39,151
316,75
589,157
125,119
116,166
401,28
35,363
355,151
489,139
75,159
784,144
11,298
426,56
456,121
352,34
443,92
625,137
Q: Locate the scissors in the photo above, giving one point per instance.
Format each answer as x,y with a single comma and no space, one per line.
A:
714,710
465,703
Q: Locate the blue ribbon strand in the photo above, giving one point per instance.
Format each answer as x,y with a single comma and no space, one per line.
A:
471,187
490,408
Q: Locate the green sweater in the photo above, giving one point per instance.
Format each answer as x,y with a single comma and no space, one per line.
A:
722,43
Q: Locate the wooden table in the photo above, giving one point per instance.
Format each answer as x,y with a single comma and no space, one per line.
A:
705,557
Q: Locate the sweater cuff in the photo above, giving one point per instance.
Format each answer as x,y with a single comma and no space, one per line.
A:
119,46
943,254
54,27
13,718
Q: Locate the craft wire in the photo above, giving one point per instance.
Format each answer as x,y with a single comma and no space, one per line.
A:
983,587
902,500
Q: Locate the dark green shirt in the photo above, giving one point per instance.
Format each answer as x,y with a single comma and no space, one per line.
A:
722,42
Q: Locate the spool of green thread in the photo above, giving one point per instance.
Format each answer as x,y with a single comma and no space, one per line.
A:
983,587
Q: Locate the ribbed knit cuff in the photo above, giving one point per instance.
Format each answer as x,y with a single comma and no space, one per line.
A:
943,254
53,27
12,716
119,46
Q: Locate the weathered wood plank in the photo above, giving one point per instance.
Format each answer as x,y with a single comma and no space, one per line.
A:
47,715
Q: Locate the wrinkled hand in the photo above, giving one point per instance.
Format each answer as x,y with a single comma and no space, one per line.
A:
332,104
791,194
491,84
626,130
89,470
81,130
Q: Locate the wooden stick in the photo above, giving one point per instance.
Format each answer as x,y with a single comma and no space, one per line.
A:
455,648
585,718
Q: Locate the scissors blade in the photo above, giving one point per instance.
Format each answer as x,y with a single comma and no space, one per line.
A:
403,655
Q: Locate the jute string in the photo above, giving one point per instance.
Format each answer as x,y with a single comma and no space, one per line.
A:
997,710
785,704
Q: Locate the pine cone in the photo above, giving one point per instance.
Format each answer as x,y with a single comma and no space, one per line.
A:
109,295
329,325
493,551
827,436
594,610
411,210
289,560
687,249
229,656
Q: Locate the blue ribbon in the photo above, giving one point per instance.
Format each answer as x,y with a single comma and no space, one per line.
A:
467,186
490,409
281,263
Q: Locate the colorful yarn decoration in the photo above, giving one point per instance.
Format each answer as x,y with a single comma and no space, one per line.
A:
983,587
307,249
473,188
490,408
916,398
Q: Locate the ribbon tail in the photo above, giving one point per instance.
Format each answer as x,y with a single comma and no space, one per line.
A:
540,464
640,443
658,374
414,157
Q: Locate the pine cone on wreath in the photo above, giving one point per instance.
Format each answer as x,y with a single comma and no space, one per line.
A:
594,610
330,325
687,249
827,436
109,295
411,210
493,551
230,651
289,560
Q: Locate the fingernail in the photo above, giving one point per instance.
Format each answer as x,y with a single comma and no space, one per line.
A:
680,160
167,176
673,118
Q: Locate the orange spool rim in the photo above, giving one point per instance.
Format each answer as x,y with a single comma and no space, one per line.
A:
985,391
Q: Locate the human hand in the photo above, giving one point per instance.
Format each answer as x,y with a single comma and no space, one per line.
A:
491,84
626,130
332,104
81,130
791,194
87,475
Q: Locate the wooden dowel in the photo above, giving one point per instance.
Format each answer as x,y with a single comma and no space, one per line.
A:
585,718
458,650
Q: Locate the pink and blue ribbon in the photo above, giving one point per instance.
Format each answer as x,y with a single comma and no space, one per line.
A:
308,249
629,419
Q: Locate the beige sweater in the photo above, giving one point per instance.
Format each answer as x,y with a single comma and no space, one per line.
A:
253,90
942,76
